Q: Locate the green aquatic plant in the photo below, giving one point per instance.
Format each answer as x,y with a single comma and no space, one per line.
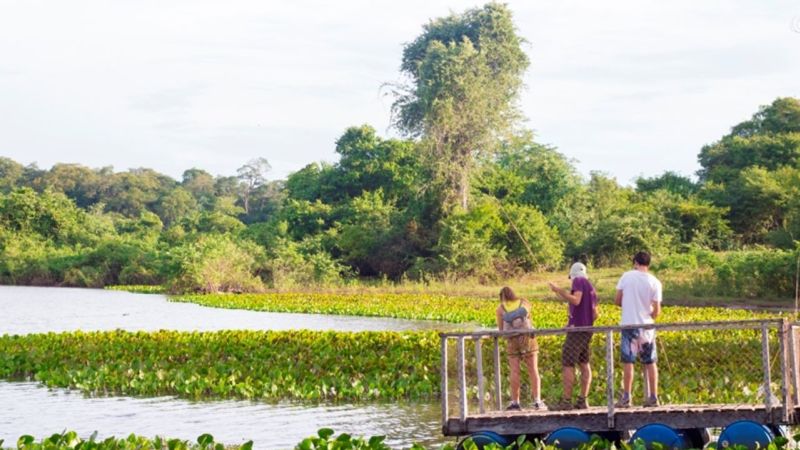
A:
455,309
697,367
69,440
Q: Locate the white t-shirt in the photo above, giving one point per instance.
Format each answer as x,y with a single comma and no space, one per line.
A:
639,290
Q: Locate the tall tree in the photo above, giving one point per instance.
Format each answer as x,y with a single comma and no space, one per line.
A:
770,139
10,173
253,174
465,74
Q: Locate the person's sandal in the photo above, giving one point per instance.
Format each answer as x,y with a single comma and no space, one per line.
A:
539,406
651,402
581,403
624,402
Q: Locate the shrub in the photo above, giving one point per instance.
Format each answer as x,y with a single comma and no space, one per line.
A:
215,263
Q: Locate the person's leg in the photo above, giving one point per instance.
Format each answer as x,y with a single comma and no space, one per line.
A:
586,379
568,377
652,378
532,361
628,357
513,364
584,355
627,378
568,359
648,357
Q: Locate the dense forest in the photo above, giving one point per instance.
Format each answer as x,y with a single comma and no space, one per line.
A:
467,192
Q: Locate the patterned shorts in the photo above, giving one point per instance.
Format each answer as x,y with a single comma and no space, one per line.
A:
638,343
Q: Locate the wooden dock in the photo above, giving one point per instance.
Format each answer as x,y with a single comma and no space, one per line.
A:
596,419
777,401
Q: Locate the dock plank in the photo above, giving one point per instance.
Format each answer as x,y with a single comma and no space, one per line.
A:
596,419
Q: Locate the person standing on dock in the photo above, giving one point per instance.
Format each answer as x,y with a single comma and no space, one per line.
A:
581,312
639,295
514,314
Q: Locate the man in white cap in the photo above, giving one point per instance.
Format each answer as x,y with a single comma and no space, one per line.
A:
582,312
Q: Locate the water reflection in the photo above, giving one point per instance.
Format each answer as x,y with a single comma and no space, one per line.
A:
32,409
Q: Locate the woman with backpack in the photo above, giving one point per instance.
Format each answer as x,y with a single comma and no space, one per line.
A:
514,314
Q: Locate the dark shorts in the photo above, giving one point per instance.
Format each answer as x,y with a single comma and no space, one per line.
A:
576,348
638,343
519,346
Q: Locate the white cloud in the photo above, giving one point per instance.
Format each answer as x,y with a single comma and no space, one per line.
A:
627,87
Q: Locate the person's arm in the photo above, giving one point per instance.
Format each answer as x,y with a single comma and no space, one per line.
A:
620,286
656,309
573,298
499,314
656,302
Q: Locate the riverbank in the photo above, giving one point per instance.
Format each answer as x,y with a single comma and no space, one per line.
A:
682,287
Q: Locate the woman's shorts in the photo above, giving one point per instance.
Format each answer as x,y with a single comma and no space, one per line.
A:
576,348
519,346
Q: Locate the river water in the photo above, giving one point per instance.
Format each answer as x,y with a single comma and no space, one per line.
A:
29,408
38,310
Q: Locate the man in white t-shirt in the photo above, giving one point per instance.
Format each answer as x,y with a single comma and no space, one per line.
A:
639,295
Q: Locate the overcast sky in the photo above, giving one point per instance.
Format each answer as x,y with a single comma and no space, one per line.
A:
628,87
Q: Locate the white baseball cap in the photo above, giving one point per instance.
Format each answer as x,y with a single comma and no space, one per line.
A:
578,270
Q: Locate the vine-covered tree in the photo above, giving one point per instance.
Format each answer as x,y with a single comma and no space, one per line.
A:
465,74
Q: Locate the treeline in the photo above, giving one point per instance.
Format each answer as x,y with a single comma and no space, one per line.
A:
372,214
464,194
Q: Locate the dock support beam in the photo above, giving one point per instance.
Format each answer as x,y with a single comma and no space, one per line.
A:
766,368
498,393
445,400
784,336
462,380
479,358
610,377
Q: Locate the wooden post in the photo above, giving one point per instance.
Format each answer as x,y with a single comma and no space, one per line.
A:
479,357
462,381
786,399
498,394
794,364
765,365
445,400
610,376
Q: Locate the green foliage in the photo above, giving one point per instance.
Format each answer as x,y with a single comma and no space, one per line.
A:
530,239
214,263
670,182
529,173
300,365
742,274
10,174
138,288
465,244
69,440
771,139
325,440
754,171
761,202
291,264
465,73
455,309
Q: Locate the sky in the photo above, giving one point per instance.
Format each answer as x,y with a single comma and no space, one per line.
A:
629,88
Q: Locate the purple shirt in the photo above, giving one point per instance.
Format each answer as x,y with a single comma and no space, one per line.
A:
581,315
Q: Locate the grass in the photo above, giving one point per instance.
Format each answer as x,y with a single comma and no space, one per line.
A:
684,288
